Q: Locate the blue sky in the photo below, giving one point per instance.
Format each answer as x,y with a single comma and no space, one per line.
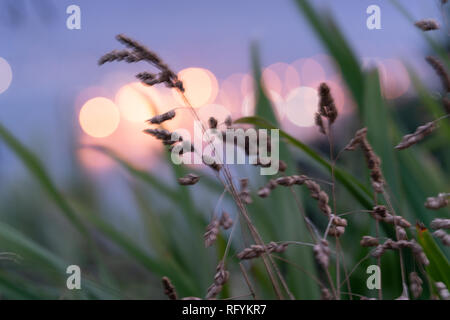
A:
51,64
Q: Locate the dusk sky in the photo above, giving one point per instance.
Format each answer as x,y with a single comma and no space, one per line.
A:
51,65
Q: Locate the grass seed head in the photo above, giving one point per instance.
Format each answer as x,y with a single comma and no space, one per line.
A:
440,224
440,71
443,236
438,202
418,135
169,289
189,180
415,284
212,230
427,24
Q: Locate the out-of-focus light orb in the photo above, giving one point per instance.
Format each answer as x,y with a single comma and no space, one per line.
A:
201,86
249,104
247,84
99,117
133,102
394,78
291,79
5,75
301,105
271,81
312,73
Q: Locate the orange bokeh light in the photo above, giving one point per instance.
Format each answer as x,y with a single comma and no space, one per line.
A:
136,102
200,86
99,117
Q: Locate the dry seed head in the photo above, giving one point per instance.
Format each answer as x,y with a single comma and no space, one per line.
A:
418,135
325,294
228,121
225,221
264,192
442,290
327,108
162,117
368,241
212,122
336,231
443,236
427,24
169,289
389,244
322,253
119,55
440,71
212,230
319,122
139,52
168,138
415,284
220,278
379,212
438,202
338,221
256,251
440,224
244,192
397,221
418,253
320,195
401,233
372,160
314,190
286,181
210,162
189,179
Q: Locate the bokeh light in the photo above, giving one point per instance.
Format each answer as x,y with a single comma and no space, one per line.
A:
310,71
248,104
136,102
99,117
201,86
5,75
394,78
271,81
301,106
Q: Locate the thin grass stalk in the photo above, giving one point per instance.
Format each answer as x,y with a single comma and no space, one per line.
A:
247,281
229,181
402,267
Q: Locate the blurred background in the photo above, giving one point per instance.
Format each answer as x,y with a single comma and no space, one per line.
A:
57,102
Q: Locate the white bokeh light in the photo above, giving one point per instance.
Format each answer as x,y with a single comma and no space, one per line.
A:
301,106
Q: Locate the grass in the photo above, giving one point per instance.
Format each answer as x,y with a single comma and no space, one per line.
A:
290,258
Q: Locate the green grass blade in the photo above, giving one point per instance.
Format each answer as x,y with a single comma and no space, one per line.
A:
48,264
439,267
36,168
357,189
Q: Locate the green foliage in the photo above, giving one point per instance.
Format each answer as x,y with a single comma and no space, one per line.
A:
173,244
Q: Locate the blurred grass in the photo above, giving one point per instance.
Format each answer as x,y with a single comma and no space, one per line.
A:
173,245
